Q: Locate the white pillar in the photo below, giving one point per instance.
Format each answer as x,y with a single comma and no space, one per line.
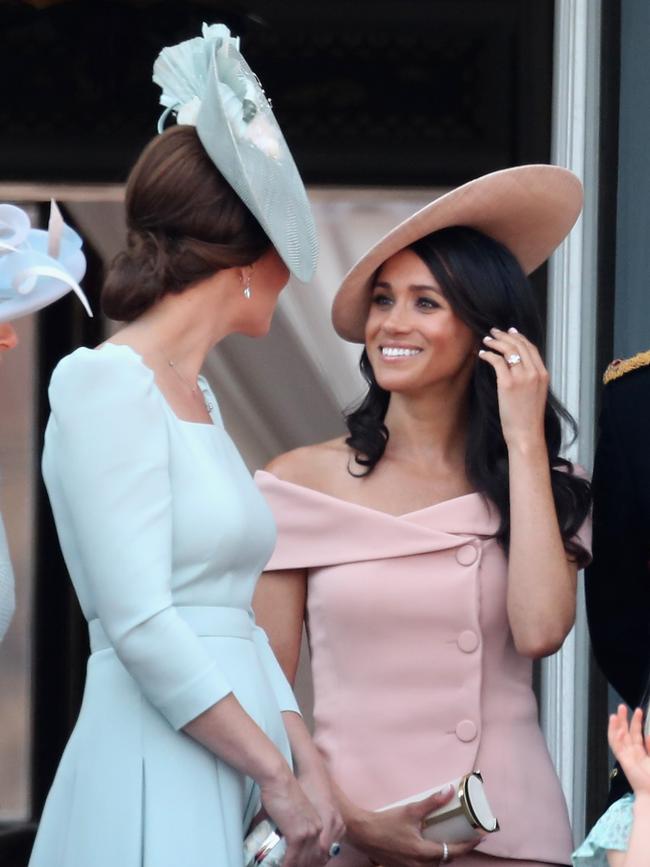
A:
571,357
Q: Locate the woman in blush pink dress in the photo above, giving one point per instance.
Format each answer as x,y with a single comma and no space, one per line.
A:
433,552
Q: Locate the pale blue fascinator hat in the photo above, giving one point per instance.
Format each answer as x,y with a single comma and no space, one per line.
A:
207,83
37,266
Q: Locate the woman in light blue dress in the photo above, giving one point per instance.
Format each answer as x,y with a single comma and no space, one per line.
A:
8,340
37,267
7,592
621,837
185,722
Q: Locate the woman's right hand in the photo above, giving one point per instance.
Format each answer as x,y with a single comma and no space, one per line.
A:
393,838
298,822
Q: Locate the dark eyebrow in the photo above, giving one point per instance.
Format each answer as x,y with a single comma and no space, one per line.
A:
414,287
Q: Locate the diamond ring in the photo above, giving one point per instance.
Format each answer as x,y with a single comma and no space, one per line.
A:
513,359
335,848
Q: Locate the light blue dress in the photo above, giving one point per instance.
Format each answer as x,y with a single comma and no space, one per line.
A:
611,831
7,594
164,535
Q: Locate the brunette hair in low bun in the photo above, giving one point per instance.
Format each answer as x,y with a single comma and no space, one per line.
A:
185,223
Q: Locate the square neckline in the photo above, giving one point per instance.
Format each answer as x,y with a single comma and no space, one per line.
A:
166,404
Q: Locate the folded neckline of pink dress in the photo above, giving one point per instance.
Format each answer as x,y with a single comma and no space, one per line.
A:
311,520
264,474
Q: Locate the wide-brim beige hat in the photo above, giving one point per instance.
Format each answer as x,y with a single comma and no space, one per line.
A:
528,209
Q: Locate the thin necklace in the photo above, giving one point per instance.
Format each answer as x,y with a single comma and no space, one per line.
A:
193,388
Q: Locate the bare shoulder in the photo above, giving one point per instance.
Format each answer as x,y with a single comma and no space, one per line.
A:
314,466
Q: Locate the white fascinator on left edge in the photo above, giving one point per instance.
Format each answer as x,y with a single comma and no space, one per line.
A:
37,266
207,83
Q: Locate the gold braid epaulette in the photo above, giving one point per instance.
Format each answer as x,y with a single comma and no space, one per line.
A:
620,366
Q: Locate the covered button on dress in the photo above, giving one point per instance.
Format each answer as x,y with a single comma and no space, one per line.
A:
164,535
416,677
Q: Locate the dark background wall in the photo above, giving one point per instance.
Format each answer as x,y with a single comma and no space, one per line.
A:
415,92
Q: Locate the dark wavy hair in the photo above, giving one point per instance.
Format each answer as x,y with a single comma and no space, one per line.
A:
485,287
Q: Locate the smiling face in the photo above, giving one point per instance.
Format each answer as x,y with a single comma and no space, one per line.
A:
413,338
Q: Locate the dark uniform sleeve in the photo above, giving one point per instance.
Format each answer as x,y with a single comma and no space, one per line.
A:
618,579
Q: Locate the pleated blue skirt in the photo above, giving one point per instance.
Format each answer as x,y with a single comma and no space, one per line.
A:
131,791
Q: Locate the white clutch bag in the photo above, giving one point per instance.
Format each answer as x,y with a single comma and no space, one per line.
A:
264,846
465,817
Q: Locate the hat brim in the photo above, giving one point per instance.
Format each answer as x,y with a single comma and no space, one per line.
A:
528,209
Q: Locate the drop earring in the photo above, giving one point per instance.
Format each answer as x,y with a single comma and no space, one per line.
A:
247,288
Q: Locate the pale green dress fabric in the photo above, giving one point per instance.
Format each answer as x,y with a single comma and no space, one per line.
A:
611,831
164,535
7,593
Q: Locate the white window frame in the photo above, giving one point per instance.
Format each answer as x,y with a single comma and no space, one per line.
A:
571,350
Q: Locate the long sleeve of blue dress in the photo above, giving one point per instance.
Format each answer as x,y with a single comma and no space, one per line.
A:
108,438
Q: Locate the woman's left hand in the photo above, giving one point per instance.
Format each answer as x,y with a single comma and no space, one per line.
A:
522,386
314,780
315,783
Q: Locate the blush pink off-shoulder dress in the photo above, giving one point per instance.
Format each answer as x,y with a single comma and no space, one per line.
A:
416,677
